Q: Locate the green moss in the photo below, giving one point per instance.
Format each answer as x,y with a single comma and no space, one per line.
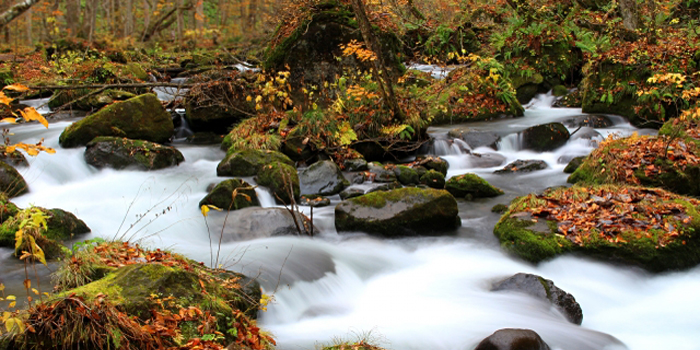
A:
471,184
222,195
529,245
282,179
407,176
249,162
433,179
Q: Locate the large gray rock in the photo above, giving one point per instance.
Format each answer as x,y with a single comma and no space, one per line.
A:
322,178
544,289
381,173
249,162
141,118
545,137
254,223
513,339
523,166
475,138
589,120
121,153
401,212
282,180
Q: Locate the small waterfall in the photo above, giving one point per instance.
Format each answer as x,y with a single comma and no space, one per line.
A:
182,129
541,101
447,146
511,143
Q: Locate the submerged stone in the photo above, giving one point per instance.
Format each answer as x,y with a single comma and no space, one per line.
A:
121,153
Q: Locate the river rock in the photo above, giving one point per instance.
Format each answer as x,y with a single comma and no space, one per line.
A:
11,181
219,104
471,185
401,212
486,160
475,138
254,223
586,133
94,102
434,163
385,187
406,176
14,158
351,193
574,164
221,196
358,164
545,137
589,120
249,162
121,153
282,179
513,339
523,166
433,179
544,289
381,173
141,118
314,201
322,178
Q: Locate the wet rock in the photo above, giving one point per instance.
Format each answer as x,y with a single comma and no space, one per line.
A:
571,100
589,120
217,105
486,160
406,176
434,163
282,179
249,162
314,202
513,339
107,97
121,153
138,118
297,150
499,208
11,181
322,178
574,164
255,223
544,289
351,193
221,196
559,90
523,166
475,138
545,137
401,212
358,164
433,179
205,138
472,185
381,173
15,158
359,178
586,133
386,187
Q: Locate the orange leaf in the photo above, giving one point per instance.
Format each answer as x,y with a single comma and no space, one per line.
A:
30,114
16,87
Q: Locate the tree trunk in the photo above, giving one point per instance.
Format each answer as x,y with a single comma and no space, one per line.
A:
180,20
199,16
128,17
15,10
28,18
147,9
158,24
383,78
72,16
630,14
252,13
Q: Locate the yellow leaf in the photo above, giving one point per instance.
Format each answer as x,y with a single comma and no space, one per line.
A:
16,87
29,114
35,291
19,237
11,297
4,99
5,315
12,304
14,325
9,120
205,210
2,287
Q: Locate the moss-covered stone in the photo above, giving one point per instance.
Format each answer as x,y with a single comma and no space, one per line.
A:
322,178
559,90
535,239
406,176
222,195
120,153
136,71
574,164
472,185
433,179
14,158
217,105
12,183
434,163
400,212
141,117
249,162
282,179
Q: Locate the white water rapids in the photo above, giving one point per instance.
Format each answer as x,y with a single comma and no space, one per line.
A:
417,293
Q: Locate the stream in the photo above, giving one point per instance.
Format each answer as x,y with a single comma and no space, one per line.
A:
405,294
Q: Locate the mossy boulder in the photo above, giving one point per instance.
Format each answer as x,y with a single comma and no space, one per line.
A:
141,118
433,179
648,161
137,289
14,158
407,176
513,338
136,70
282,179
560,90
381,173
64,97
11,181
402,212
522,166
61,226
472,185
322,178
545,137
121,153
574,164
527,86
257,223
221,196
249,162
570,100
433,163
614,226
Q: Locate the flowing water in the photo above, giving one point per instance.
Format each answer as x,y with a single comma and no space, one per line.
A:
414,293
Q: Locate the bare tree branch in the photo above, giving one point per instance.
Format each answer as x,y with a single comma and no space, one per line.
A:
15,10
